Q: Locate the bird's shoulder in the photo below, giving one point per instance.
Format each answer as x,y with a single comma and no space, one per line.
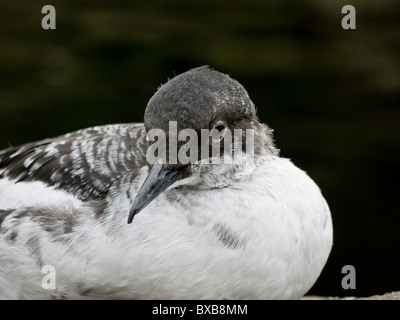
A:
85,163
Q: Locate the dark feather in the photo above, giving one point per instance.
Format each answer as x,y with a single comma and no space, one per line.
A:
86,163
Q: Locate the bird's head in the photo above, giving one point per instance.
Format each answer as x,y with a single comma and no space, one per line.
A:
203,132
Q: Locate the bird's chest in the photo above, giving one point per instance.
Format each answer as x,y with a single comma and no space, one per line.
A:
232,238
234,219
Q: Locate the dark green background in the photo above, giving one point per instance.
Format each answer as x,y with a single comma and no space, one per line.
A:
332,95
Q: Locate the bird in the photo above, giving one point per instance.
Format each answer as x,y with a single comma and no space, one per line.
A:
93,214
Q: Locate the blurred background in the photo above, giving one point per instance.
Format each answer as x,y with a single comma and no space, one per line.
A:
331,95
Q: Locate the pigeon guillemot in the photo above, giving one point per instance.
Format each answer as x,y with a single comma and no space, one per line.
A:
257,227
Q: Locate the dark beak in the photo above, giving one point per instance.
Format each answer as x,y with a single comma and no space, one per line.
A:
157,181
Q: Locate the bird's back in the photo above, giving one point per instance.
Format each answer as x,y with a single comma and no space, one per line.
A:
85,163
53,187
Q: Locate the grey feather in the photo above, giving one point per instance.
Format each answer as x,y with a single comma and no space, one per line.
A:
86,163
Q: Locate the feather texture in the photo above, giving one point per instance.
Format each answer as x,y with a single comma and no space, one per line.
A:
86,163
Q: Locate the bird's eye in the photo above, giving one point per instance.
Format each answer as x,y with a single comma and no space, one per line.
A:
218,133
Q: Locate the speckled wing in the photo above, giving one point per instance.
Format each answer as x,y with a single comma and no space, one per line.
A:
85,163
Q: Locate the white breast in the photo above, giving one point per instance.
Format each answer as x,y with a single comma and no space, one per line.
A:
264,238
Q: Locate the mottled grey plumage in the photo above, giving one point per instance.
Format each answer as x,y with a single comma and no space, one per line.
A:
85,163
